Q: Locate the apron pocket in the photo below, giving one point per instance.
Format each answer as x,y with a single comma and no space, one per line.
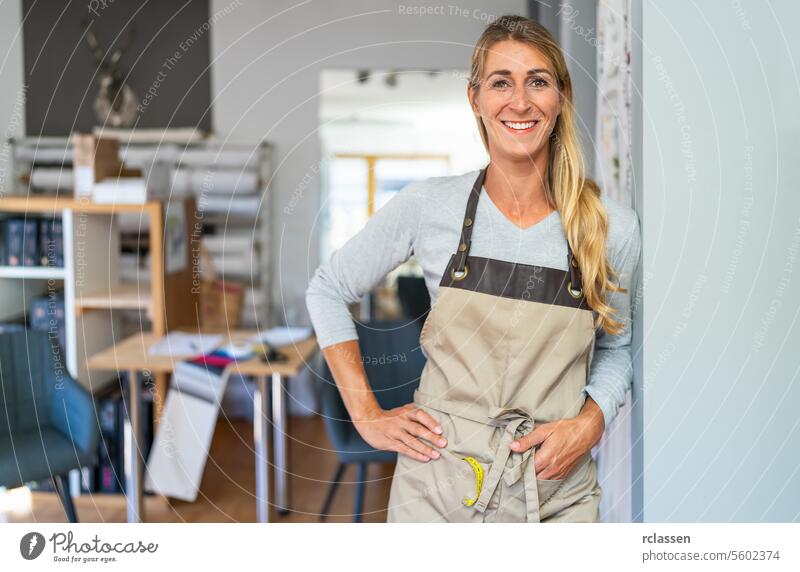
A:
458,484
556,495
548,488
551,488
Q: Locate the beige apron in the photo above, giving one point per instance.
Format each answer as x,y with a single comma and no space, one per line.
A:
509,347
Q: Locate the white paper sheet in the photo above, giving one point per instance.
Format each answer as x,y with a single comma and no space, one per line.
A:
284,335
185,344
180,450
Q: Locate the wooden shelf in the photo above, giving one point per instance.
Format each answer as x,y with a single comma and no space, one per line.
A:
121,297
32,272
29,204
95,301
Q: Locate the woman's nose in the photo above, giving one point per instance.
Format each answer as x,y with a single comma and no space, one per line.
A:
519,99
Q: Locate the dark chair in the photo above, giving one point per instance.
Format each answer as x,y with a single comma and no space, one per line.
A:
393,361
48,425
415,301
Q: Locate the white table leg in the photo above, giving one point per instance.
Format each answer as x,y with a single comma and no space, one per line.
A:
133,439
280,444
261,442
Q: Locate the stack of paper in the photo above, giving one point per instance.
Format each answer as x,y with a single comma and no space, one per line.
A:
233,254
241,158
52,178
215,181
121,190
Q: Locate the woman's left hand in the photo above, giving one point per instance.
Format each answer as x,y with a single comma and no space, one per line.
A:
562,443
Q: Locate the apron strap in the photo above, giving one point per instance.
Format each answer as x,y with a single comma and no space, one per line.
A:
462,252
469,219
575,278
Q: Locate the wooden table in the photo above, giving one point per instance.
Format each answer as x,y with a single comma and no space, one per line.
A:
131,355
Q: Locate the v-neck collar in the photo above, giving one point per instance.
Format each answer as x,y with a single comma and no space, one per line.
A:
543,222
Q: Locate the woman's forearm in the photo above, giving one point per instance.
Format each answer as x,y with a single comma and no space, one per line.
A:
592,422
344,361
398,429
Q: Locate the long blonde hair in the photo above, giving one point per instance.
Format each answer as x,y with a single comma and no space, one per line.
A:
576,197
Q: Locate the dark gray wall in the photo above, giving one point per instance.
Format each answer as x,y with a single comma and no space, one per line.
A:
60,70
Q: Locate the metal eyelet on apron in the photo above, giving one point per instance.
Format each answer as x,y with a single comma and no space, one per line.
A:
484,380
577,294
456,276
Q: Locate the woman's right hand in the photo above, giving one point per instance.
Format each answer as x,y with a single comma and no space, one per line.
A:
399,430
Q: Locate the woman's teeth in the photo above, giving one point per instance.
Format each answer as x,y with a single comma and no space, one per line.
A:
519,126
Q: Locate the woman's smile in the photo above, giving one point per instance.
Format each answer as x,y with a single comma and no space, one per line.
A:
520,127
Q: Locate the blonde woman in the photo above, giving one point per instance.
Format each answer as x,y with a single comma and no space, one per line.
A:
528,340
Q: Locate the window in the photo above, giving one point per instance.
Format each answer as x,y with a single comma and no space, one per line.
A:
361,184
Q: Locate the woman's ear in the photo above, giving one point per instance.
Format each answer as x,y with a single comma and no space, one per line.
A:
563,95
471,98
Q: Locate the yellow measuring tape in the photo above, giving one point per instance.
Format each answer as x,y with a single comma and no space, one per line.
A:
476,466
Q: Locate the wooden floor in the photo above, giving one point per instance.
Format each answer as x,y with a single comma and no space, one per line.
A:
228,487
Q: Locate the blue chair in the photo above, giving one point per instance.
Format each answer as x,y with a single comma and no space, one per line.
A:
393,361
48,425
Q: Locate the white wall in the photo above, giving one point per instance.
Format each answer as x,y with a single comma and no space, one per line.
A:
266,62
721,244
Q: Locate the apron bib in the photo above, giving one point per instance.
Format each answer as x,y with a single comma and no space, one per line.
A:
509,347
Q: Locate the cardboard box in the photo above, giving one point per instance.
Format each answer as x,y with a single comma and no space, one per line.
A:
94,159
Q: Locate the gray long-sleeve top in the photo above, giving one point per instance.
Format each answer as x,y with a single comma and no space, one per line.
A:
424,220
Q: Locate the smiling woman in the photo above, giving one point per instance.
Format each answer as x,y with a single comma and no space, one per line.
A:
528,338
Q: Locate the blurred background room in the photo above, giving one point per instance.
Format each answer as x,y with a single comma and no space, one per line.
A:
172,173
250,140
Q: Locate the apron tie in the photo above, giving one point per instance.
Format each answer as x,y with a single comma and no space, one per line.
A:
515,423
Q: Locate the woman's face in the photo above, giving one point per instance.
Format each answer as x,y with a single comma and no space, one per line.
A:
518,100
